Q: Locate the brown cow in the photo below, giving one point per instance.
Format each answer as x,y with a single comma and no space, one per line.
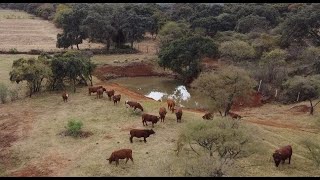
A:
94,89
65,96
207,116
162,113
116,99
171,104
282,154
133,104
100,92
110,94
139,133
178,112
120,154
234,115
151,118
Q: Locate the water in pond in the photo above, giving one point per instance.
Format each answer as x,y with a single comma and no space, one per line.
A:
160,88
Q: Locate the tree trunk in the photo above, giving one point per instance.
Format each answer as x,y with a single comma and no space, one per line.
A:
131,44
78,46
90,78
228,108
311,107
108,44
74,85
71,47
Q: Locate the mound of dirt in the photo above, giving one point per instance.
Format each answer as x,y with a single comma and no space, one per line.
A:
134,69
254,101
300,108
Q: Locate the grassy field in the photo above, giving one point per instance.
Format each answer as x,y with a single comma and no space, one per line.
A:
24,32
31,144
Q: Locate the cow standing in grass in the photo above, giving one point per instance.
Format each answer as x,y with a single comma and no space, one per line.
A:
65,96
282,154
171,104
94,89
110,94
178,112
134,105
120,154
162,113
100,92
139,133
149,117
116,99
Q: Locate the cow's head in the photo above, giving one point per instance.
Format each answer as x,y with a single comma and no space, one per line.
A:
104,89
151,131
110,159
277,158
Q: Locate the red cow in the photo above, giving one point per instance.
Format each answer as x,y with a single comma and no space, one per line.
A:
178,112
162,113
171,104
110,94
116,99
138,133
207,116
133,104
100,92
234,115
282,154
65,96
151,118
120,154
94,89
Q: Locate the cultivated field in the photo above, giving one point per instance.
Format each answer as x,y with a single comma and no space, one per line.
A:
24,32
31,144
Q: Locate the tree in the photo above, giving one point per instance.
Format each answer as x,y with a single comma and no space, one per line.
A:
225,140
61,10
224,86
172,31
236,50
71,22
251,22
273,62
210,24
72,66
32,70
183,56
227,22
303,24
308,88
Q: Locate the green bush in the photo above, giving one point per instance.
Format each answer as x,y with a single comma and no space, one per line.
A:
14,95
3,93
13,50
74,127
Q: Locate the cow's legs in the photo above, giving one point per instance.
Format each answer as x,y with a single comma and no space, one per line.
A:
117,162
289,159
144,139
131,139
127,160
152,125
131,159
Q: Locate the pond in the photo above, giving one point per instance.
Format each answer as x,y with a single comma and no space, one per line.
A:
160,88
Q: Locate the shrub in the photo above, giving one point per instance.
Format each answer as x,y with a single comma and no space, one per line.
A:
3,93
14,95
74,127
13,50
237,50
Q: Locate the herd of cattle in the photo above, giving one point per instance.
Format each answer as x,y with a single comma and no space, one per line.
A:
279,155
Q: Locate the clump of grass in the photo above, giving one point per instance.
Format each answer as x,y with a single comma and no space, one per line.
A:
13,50
14,95
74,127
3,93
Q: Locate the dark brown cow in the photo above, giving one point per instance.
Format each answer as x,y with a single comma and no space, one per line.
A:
178,112
65,96
234,115
100,92
162,113
151,118
94,89
120,154
207,116
282,154
110,94
139,133
133,104
116,99
171,104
